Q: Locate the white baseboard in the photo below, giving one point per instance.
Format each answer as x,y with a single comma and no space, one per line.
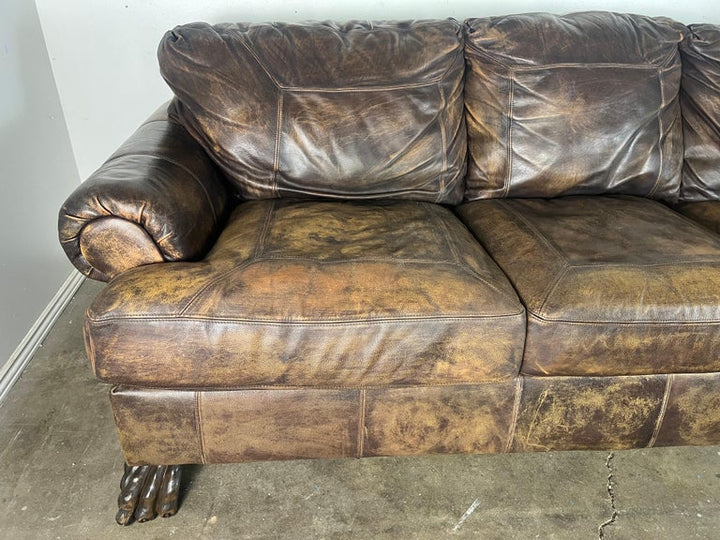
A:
13,368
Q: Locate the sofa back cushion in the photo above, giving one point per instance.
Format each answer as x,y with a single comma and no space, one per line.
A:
700,101
581,104
360,110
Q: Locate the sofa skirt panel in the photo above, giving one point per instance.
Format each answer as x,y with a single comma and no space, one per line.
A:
159,426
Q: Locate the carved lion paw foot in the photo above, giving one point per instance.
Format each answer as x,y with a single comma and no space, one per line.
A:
147,491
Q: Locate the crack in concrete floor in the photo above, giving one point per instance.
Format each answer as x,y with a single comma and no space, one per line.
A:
611,494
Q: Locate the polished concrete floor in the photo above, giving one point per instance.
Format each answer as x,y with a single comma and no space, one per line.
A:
60,466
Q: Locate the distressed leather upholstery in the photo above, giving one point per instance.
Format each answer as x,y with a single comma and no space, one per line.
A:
584,104
294,273
157,198
361,110
612,285
700,100
364,294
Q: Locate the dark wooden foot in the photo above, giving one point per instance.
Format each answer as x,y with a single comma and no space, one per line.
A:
147,491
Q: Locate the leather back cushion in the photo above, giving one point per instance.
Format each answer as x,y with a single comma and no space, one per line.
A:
362,110
700,100
581,104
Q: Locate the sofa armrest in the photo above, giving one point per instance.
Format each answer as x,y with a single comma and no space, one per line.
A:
158,198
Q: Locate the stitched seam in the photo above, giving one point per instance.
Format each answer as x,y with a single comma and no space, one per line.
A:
547,293
260,239
282,387
519,383
648,265
199,422
355,196
628,323
663,408
471,271
363,89
295,322
616,65
451,245
486,55
509,159
660,133
583,65
481,383
272,257
278,131
443,139
538,235
361,426
256,58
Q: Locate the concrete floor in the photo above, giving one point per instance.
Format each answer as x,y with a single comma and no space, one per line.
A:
60,466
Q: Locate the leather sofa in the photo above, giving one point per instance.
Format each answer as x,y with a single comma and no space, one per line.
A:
403,238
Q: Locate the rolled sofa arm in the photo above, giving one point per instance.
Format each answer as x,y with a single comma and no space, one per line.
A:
158,198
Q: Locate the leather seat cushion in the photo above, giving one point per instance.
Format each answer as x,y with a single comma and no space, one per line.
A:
612,285
312,293
707,213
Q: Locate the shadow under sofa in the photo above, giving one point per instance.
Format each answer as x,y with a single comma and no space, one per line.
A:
403,238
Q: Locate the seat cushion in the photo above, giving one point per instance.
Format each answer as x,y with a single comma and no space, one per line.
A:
707,213
583,104
315,294
359,110
612,285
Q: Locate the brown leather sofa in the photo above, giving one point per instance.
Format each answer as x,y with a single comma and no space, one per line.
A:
378,239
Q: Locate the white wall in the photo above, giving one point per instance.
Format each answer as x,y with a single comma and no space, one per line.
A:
37,172
103,51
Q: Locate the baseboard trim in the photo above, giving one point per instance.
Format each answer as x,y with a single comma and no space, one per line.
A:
13,368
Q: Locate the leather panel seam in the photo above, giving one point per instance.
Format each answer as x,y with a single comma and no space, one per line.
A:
259,241
663,409
278,135
199,423
661,137
361,425
510,123
443,139
631,322
684,262
519,386
291,322
331,387
539,236
550,288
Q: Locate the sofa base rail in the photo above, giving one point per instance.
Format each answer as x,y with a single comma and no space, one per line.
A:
527,414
